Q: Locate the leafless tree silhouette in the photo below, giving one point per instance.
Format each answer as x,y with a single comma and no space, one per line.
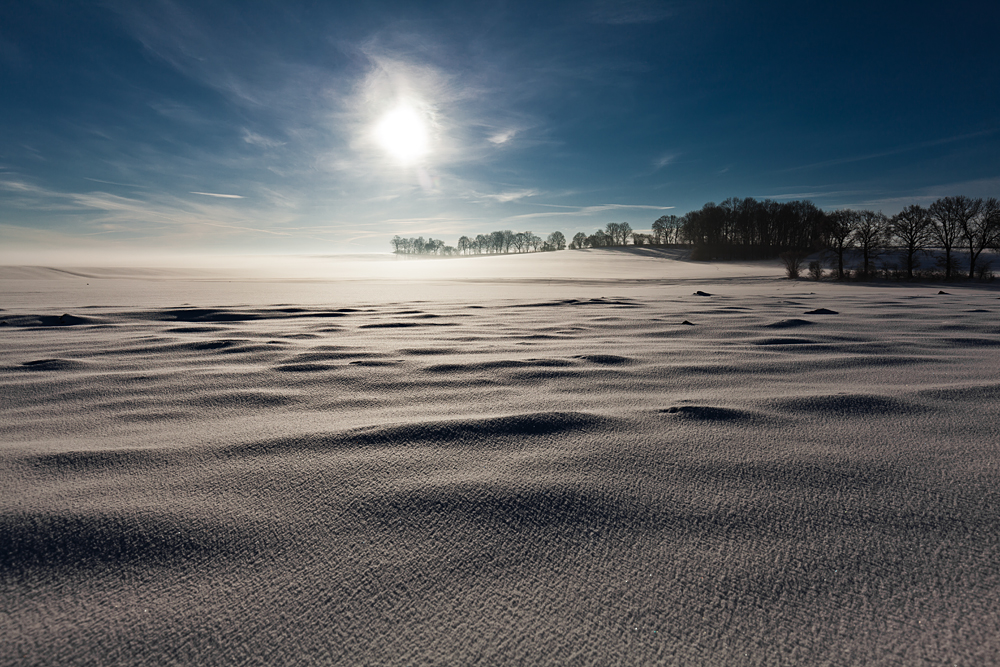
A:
912,228
949,215
981,230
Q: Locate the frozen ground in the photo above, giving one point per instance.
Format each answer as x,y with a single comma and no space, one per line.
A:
566,458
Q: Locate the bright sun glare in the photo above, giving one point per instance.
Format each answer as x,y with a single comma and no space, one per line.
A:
403,133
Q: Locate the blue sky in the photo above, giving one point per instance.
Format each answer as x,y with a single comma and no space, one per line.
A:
259,127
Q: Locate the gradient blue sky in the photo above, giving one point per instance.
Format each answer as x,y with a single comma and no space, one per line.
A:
247,127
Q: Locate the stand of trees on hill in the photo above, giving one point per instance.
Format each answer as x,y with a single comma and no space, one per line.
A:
419,246
500,242
752,229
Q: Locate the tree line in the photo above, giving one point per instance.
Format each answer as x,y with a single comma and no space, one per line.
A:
752,229
950,224
666,231
419,246
748,229
494,243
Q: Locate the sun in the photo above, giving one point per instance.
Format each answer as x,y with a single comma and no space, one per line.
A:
402,132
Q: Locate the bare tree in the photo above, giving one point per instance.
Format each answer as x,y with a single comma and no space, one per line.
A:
496,242
508,239
624,233
557,240
611,231
578,240
841,235
666,229
617,233
520,240
912,227
869,234
660,229
950,215
982,230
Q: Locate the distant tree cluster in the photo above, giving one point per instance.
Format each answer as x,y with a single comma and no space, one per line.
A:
667,230
614,234
499,242
751,229
419,246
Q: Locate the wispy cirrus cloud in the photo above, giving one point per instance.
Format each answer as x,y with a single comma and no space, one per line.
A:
415,221
983,187
980,187
255,139
893,151
216,194
664,160
509,195
99,180
817,193
501,137
197,46
628,12
20,186
160,215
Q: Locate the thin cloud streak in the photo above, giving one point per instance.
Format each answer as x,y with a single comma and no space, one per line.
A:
664,160
216,194
894,151
630,12
415,221
985,187
816,194
165,217
509,196
124,185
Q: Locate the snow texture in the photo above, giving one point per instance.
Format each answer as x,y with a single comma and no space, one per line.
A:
525,460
